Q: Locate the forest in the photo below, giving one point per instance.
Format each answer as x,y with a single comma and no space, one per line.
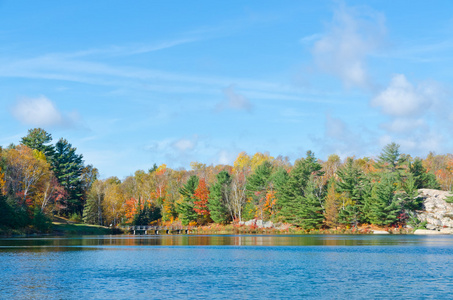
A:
40,180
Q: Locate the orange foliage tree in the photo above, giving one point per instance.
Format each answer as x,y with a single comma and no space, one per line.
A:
201,196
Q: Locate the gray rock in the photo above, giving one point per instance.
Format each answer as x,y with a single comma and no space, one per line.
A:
427,232
380,232
437,212
446,230
258,223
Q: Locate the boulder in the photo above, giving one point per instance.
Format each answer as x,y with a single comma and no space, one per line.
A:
258,223
437,212
380,232
427,232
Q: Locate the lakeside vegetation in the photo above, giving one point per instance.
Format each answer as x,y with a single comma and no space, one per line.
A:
40,180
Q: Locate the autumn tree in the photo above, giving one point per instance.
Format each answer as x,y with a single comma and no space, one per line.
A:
260,186
201,196
25,169
92,211
113,204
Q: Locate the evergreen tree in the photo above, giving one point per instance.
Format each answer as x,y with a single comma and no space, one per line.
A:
311,212
354,186
410,200
185,209
6,213
383,207
39,139
298,199
218,198
390,158
147,215
68,168
423,179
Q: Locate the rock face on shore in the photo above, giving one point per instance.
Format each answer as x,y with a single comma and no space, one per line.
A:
258,223
437,212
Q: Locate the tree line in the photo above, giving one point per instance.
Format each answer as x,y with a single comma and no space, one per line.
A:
39,180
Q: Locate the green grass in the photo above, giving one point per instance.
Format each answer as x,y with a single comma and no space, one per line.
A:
79,229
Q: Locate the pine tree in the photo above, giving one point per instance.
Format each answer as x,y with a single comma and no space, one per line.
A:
39,139
68,167
410,199
383,207
218,198
310,214
185,209
423,179
297,199
354,186
390,159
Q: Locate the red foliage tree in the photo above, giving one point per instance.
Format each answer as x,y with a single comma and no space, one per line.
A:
201,196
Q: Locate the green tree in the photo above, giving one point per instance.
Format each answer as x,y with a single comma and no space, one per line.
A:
423,179
410,200
383,207
149,213
219,198
353,185
390,159
39,139
185,209
68,168
299,203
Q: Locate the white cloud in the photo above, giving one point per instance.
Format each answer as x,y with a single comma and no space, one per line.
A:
226,157
184,145
401,125
403,99
341,139
234,100
310,38
350,38
418,115
41,112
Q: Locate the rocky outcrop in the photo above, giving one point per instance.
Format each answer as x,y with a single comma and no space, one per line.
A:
258,223
437,212
427,232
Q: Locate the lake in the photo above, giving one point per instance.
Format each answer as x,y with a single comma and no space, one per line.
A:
227,267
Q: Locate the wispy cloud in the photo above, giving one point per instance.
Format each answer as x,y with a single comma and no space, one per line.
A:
75,69
128,50
234,100
352,35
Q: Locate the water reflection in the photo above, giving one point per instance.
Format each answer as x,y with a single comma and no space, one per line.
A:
130,241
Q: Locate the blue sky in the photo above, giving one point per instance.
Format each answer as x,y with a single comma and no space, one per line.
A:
180,81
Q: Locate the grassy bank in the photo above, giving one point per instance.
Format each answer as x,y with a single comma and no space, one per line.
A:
79,229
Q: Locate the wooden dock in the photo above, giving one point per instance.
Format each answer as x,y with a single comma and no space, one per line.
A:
154,230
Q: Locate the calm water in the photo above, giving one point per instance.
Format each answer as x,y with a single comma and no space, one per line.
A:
231,267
